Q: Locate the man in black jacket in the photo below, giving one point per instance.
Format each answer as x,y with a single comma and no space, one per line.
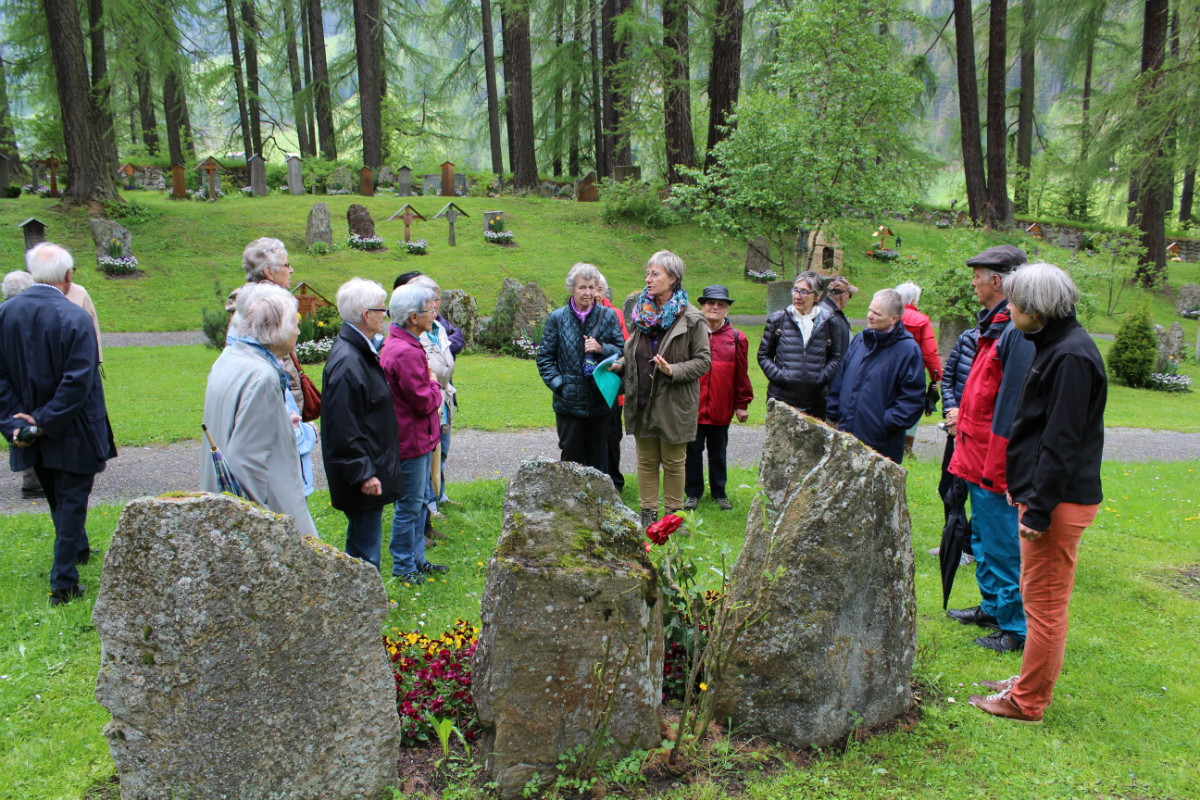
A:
358,421
837,296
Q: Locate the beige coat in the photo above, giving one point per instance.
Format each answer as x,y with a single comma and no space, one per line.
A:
674,403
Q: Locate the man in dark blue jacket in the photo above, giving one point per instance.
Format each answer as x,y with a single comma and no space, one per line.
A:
879,391
52,405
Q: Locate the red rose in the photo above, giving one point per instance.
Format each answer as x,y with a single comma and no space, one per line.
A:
660,531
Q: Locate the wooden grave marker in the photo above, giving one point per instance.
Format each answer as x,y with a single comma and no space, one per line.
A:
408,214
451,212
178,182
448,184
366,182
34,230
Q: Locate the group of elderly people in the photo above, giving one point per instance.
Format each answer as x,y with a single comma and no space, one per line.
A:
385,414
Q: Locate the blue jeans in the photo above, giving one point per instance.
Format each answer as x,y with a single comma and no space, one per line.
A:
443,497
408,525
364,535
997,549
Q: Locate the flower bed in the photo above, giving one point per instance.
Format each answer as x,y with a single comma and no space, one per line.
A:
416,248
357,242
118,265
763,276
42,190
314,352
884,254
499,237
433,681
1169,383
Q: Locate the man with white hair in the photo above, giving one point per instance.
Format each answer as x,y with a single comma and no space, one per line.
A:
52,405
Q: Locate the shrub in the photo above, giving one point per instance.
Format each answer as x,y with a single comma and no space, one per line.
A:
631,201
1135,349
131,211
214,324
12,192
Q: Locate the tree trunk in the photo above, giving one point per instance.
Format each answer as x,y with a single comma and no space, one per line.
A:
968,109
1187,194
366,19
517,46
253,96
145,94
576,93
185,119
316,34
677,92
724,76
10,156
617,149
998,210
493,101
1025,109
557,111
310,123
1085,134
172,115
506,76
89,178
597,101
293,59
1168,161
239,85
1152,264
132,106
101,90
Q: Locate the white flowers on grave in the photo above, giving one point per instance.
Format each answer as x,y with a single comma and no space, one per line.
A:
357,242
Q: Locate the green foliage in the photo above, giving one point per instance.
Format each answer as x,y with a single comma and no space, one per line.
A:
12,192
215,324
1135,348
130,211
635,202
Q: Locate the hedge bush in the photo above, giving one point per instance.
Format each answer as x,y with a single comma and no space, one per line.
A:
1135,349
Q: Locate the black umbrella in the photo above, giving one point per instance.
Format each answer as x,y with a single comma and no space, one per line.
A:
955,535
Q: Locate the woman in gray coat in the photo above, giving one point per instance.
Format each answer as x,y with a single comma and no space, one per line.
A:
244,407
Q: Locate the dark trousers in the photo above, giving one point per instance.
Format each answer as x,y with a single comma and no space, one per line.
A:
67,495
364,535
583,440
716,439
616,429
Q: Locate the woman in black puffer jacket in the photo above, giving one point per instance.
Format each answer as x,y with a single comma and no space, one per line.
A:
800,351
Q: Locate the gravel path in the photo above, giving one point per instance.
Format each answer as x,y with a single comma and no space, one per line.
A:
140,471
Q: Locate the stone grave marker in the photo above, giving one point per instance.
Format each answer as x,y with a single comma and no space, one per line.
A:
258,176
404,181
295,175
834,649
571,550
366,182
386,176
623,172
358,218
451,212
408,214
779,295
447,179
1170,340
431,185
586,190
489,217
462,311
461,185
338,180
239,659
319,227
1188,299
520,308
105,231
758,254
548,189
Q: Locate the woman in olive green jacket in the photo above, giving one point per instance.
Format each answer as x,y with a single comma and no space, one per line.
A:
665,356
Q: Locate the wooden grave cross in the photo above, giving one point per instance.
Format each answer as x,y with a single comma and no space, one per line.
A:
210,166
451,212
408,214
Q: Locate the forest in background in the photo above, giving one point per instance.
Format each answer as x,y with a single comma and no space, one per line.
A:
770,117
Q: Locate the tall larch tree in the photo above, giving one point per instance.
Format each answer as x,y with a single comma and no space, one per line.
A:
1025,122
322,91
370,101
1151,174
968,109
518,48
295,77
250,37
235,51
725,69
677,92
998,210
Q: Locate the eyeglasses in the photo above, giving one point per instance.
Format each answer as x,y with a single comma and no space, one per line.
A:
838,292
384,310
285,265
801,292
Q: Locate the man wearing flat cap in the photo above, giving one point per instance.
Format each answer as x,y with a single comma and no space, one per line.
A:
981,425
724,391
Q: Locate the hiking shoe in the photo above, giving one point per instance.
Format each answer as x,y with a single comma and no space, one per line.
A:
1000,686
723,503
691,504
973,616
1001,705
1002,642
428,568
61,597
936,551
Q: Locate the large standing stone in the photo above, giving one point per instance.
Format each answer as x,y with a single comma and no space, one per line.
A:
519,310
1188,299
836,647
359,220
386,176
258,176
779,295
431,185
571,612
586,190
320,227
340,180
104,231
239,659
462,311
1170,340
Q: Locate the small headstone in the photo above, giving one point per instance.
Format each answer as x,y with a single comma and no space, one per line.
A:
320,227
462,186
34,231
258,176
104,231
404,181
386,176
758,254
431,185
565,192
489,217
586,190
339,180
779,295
295,175
623,172
358,218
628,304
519,310
835,646
366,182
1170,340
573,551
447,179
239,659
1188,298
548,189
462,311
34,171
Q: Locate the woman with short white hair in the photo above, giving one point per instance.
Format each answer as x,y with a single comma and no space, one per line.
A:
245,410
15,282
921,328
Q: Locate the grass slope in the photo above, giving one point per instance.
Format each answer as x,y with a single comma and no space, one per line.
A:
1123,723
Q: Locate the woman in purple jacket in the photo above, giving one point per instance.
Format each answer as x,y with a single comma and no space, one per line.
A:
417,397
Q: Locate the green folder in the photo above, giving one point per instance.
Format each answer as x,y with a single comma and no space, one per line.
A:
609,383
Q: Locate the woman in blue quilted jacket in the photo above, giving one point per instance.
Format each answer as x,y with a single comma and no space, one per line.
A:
800,350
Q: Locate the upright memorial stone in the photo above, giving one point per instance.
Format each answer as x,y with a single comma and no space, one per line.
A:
623,172
386,176
408,214
320,227
211,693
431,185
447,179
586,190
258,176
366,182
758,257
34,169
295,175
52,165
461,187
489,217
358,220
451,212
404,182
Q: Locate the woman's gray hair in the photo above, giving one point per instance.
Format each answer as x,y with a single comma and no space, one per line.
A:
671,264
1042,289
48,263
910,293
408,299
813,280
587,272
265,313
891,302
425,280
357,295
15,282
263,257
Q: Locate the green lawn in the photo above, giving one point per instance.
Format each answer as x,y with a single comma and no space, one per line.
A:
1123,724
